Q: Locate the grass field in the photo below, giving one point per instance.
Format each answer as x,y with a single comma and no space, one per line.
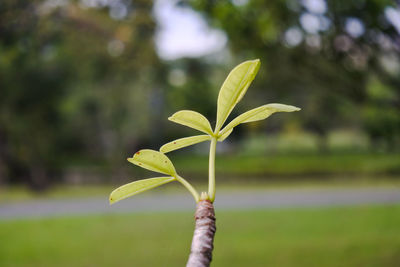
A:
340,236
20,193
295,164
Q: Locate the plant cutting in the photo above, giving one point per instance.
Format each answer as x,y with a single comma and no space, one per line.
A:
232,91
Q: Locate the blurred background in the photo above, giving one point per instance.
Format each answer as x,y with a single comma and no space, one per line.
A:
84,84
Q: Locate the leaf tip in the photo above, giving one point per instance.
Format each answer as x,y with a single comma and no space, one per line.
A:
111,200
257,64
133,158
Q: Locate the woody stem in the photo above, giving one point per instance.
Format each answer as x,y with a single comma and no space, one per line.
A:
203,237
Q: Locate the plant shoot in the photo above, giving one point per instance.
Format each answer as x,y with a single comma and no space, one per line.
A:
232,91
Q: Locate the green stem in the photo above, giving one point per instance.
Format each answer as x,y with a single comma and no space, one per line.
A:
211,170
188,187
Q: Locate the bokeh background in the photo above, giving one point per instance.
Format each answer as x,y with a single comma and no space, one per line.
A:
84,84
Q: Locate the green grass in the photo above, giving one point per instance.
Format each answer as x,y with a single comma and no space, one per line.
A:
12,194
21,193
295,164
341,236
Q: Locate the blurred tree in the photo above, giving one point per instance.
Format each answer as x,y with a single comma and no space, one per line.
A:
316,54
382,124
80,80
72,80
32,86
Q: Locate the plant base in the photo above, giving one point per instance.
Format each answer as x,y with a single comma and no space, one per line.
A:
203,237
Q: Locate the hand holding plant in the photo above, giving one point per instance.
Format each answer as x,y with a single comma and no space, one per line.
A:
232,91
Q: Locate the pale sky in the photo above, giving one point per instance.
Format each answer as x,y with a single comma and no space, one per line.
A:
184,33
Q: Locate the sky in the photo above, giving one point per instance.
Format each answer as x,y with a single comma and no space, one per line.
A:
184,33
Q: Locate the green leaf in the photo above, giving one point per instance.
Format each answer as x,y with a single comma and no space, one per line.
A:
234,88
193,120
224,135
184,142
257,114
154,161
137,187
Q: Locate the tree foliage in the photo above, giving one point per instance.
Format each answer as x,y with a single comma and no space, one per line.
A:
321,53
71,76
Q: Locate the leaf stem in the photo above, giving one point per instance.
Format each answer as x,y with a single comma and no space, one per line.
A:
211,169
188,187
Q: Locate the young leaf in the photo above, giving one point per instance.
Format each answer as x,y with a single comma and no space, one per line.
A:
224,135
234,88
257,114
184,142
154,161
137,187
192,119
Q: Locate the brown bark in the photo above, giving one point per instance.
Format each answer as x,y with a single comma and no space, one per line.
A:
203,237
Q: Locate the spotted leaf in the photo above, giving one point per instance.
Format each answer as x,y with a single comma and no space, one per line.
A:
154,161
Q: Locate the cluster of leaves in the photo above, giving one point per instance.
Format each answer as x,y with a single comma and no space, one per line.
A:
231,92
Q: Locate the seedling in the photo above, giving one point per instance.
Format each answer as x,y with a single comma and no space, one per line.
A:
232,91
